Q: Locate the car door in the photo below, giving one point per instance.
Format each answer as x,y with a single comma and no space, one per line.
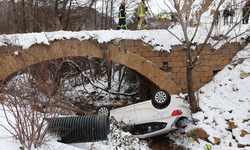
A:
126,114
145,112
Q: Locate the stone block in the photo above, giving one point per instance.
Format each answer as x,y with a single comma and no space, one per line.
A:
166,82
183,53
209,78
181,58
146,68
176,47
209,73
129,43
56,50
122,43
206,68
139,43
162,77
175,53
132,49
118,55
203,79
154,54
3,50
91,48
195,74
176,69
125,57
80,48
172,75
226,61
154,73
183,69
159,64
198,69
115,42
180,64
172,89
5,68
172,64
180,75
27,57
110,53
213,62
173,59
16,62
134,61
165,59
13,48
144,49
145,54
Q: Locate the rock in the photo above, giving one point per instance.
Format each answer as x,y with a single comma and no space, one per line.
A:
244,75
231,125
241,145
216,141
243,133
198,133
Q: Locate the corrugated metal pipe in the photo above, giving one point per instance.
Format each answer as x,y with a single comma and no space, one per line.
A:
78,129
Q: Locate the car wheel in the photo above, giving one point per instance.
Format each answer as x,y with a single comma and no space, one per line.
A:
161,98
103,110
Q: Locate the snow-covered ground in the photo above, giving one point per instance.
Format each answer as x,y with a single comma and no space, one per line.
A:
225,99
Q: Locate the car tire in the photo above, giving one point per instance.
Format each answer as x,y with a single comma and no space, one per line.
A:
161,98
103,110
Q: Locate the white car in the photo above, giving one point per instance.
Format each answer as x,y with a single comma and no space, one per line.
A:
153,117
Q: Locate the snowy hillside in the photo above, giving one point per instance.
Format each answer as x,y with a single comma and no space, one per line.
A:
225,116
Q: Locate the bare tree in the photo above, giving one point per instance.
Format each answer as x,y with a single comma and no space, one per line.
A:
194,59
27,103
92,2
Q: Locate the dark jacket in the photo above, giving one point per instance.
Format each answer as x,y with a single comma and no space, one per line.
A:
226,13
245,9
122,13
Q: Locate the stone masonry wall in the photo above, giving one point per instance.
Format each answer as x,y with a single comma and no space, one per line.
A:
174,63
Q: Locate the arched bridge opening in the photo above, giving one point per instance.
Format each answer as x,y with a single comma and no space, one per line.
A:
152,77
157,69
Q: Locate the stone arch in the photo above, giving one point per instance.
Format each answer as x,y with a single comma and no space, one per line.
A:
70,48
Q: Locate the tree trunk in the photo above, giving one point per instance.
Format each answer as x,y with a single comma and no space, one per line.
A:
109,73
31,13
121,76
67,21
44,15
95,16
191,95
102,15
106,15
24,21
14,19
111,14
84,20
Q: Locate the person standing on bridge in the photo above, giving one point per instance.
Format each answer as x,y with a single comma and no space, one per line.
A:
141,12
122,17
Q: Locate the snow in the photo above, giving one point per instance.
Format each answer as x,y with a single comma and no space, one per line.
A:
225,98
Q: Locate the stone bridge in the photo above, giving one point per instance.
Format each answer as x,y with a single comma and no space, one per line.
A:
157,69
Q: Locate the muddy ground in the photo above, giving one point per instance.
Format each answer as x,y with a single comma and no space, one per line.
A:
163,143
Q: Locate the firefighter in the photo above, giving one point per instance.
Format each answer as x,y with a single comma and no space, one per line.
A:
141,12
122,17
165,16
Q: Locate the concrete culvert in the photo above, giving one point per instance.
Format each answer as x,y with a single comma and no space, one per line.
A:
79,129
